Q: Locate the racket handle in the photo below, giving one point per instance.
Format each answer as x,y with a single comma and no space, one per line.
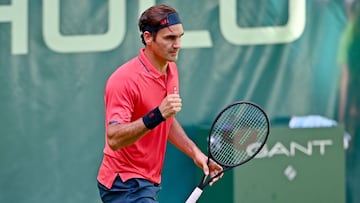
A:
194,195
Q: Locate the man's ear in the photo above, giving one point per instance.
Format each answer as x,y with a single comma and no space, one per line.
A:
148,38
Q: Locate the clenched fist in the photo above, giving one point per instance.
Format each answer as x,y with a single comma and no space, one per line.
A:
170,105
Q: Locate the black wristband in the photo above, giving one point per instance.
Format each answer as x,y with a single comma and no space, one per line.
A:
153,118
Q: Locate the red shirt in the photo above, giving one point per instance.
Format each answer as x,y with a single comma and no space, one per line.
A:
132,91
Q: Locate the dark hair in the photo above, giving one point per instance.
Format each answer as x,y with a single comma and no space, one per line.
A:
152,18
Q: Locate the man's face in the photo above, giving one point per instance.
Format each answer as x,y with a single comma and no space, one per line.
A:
167,42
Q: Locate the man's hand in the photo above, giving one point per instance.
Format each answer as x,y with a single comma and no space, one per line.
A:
170,105
213,168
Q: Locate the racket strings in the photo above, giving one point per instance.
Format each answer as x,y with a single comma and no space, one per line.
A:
237,134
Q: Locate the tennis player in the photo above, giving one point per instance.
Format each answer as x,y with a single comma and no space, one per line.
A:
141,100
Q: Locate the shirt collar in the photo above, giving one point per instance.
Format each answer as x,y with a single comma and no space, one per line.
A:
149,67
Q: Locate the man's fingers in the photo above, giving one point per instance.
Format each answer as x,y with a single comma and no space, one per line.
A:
218,176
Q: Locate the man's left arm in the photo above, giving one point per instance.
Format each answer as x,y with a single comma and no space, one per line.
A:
179,138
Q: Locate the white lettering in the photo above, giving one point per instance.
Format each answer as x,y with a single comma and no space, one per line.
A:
253,148
306,150
280,149
86,43
145,4
322,144
17,14
197,39
264,152
262,35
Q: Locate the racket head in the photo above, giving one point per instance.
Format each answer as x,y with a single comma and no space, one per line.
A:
238,133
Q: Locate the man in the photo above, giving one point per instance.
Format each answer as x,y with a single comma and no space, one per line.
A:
141,100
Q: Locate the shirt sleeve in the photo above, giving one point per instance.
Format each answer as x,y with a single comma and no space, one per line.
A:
119,100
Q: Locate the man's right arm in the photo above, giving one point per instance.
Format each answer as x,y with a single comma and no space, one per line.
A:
124,134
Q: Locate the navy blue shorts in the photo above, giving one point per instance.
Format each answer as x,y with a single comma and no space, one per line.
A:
134,190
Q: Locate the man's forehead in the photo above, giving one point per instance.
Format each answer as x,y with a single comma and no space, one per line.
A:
172,30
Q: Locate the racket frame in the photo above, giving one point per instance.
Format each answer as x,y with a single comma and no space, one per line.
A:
227,167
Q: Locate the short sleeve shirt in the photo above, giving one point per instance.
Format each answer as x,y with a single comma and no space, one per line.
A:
133,90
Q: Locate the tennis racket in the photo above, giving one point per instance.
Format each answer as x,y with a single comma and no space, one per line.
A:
237,134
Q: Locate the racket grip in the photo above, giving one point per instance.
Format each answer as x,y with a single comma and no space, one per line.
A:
194,195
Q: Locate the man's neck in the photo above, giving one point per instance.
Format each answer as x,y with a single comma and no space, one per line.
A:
159,64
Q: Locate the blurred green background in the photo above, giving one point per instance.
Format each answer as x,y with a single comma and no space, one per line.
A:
292,57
